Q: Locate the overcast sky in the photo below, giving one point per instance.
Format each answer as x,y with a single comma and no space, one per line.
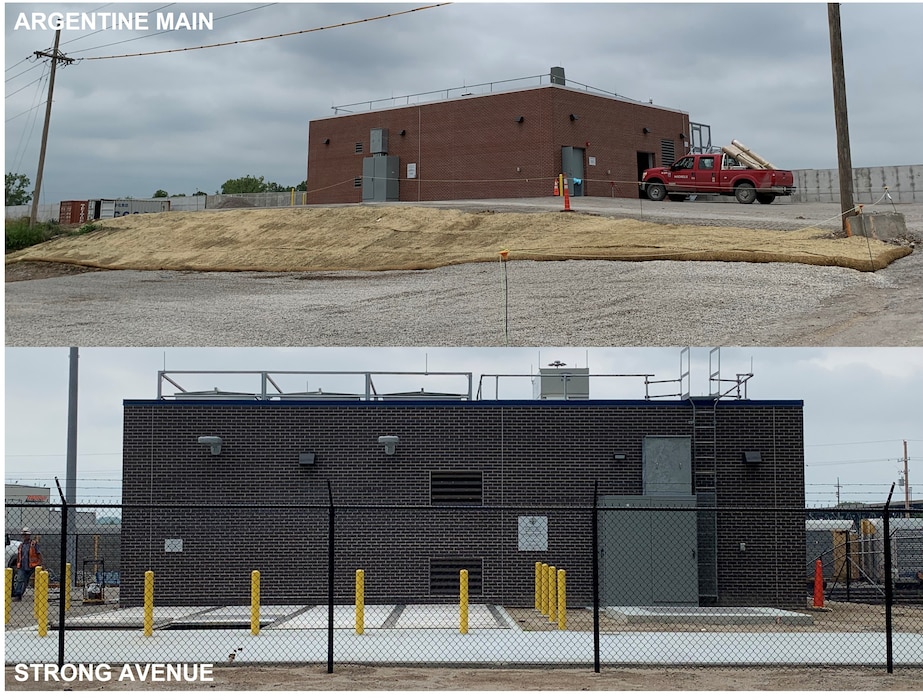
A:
188,121
860,404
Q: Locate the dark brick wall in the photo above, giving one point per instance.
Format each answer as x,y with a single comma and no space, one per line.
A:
473,148
537,458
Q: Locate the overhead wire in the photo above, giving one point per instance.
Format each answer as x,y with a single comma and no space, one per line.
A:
266,38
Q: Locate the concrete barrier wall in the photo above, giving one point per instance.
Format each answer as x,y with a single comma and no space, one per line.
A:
904,183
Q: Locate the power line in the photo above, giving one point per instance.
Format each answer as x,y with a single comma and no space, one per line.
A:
265,38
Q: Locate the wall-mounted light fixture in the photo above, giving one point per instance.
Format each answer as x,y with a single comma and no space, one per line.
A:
402,132
752,457
683,136
574,117
646,130
390,442
213,441
520,120
326,142
307,459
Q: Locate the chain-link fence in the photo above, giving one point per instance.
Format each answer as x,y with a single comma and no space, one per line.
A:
632,580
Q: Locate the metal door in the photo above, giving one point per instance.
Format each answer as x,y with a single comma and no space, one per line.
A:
572,167
646,556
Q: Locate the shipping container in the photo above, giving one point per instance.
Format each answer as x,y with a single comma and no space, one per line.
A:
113,208
74,212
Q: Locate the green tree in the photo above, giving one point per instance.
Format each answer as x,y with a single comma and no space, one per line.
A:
244,185
16,188
302,186
160,194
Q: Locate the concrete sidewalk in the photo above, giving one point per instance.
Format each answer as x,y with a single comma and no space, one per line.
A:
428,634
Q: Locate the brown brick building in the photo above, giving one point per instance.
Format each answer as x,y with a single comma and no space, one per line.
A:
500,144
491,485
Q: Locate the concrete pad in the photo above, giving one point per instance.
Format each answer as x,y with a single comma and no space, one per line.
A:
344,617
883,226
446,617
235,616
708,616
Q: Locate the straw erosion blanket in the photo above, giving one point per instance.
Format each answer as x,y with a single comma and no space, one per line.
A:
370,238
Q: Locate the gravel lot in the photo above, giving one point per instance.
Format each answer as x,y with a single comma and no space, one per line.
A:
571,303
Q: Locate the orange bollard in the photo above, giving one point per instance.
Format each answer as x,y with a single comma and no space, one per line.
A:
566,197
818,584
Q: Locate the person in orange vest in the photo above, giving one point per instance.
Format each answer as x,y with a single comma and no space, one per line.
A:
27,559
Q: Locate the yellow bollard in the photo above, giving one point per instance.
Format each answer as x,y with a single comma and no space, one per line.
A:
148,603
552,594
562,599
66,587
538,585
41,601
544,584
360,601
463,601
38,570
254,602
8,598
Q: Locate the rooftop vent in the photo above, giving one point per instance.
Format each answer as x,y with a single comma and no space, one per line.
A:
557,75
558,381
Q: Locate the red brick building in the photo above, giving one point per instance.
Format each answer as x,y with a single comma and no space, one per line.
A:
496,145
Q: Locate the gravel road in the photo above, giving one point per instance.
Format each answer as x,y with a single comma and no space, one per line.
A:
571,303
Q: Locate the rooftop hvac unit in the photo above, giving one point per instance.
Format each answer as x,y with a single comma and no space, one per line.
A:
561,383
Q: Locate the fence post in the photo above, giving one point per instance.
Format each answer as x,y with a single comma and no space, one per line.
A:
254,602
148,603
331,521
463,601
595,557
889,584
360,601
64,579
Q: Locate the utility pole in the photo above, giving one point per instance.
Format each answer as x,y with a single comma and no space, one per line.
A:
906,484
844,159
55,57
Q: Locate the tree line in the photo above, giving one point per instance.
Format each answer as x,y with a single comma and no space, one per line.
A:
17,189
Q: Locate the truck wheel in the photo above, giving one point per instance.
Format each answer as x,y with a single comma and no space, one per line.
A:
745,193
656,192
765,198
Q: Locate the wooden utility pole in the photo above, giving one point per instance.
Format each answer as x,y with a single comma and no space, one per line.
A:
55,57
844,159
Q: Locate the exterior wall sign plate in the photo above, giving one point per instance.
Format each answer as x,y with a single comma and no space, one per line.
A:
533,533
173,545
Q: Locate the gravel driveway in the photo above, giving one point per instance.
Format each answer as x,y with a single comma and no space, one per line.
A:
572,303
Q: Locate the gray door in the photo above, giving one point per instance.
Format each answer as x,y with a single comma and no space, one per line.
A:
647,557
572,167
380,175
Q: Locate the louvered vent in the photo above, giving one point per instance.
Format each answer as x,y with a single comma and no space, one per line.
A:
444,576
667,152
456,488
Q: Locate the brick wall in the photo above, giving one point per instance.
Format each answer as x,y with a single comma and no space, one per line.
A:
537,458
474,147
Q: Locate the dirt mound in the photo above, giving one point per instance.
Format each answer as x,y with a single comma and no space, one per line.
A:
416,238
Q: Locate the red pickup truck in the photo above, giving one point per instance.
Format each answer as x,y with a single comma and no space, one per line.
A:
716,173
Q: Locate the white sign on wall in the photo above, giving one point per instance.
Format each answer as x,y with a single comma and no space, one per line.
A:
175,545
411,171
533,533
592,160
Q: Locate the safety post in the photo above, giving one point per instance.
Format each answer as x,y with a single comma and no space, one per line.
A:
552,594
148,603
463,601
818,584
41,601
538,585
254,602
562,599
38,570
360,601
66,587
560,184
566,197
544,584
8,598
